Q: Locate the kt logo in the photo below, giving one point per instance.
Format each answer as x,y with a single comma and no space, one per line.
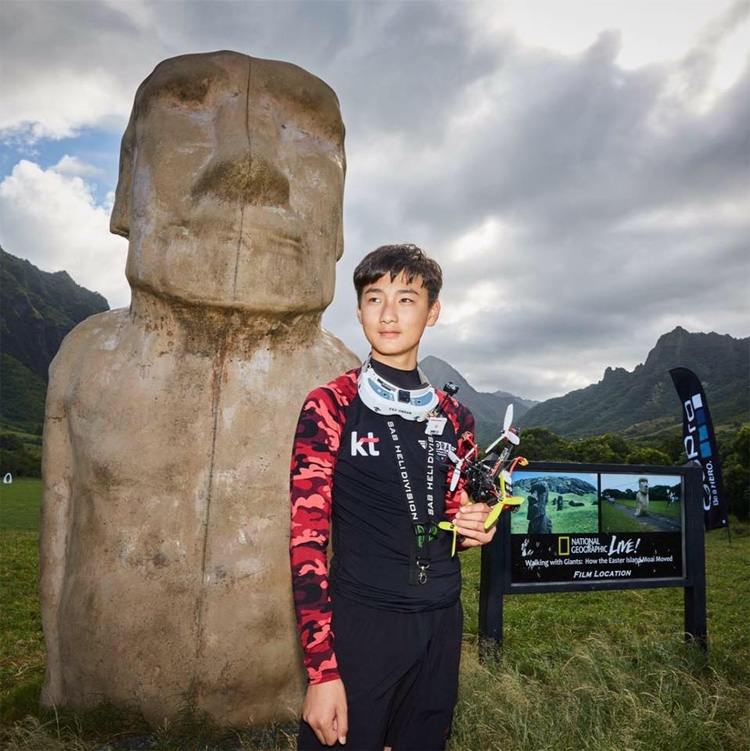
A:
358,445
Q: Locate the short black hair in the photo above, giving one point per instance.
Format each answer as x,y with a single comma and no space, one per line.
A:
396,259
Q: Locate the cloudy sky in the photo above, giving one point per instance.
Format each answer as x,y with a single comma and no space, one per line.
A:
580,168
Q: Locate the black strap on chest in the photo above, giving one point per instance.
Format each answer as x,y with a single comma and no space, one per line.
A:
421,510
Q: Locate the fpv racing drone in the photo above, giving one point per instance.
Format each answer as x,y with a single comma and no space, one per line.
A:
489,479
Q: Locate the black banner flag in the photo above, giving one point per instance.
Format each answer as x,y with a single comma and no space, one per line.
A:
700,445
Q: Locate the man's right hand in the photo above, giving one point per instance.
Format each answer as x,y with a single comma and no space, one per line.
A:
325,711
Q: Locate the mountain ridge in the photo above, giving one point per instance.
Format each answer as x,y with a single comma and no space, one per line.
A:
38,310
644,401
637,403
488,408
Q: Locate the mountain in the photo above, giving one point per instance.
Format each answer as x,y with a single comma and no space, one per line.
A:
644,402
488,408
38,310
556,484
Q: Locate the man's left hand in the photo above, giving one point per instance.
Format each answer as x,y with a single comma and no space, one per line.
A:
469,523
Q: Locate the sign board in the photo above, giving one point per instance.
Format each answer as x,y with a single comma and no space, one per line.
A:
587,527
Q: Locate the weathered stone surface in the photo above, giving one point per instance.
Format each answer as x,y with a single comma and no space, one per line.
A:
165,575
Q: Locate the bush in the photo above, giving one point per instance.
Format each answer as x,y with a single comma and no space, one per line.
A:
736,473
17,458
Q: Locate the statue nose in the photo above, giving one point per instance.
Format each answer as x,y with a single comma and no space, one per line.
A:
249,179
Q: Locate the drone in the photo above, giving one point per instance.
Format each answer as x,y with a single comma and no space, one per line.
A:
488,480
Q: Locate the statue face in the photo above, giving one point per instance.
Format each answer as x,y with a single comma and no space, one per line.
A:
231,184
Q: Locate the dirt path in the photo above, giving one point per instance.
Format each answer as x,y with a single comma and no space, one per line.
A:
653,522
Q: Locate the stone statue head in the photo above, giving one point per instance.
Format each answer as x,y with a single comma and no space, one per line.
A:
231,185
540,490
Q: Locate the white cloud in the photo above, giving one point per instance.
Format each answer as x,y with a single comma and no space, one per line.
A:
140,12
60,103
719,213
52,220
649,31
72,166
568,163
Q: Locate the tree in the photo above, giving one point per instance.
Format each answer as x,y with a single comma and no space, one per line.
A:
17,458
10,442
646,455
542,445
736,473
673,447
602,449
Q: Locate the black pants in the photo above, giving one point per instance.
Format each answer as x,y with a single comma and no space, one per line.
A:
400,673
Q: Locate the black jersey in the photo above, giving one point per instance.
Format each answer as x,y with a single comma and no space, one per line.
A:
344,473
380,505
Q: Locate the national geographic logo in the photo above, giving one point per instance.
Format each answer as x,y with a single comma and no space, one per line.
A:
696,441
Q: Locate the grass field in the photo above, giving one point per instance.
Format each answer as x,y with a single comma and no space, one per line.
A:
20,504
598,671
575,519
616,519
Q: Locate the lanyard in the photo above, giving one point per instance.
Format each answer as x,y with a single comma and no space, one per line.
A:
425,530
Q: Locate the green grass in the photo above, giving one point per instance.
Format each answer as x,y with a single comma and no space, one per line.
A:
614,519
20,504
574,519
22,644
610,670
617,520
656,507
593,671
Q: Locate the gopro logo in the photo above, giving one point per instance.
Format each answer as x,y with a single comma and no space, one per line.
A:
696,442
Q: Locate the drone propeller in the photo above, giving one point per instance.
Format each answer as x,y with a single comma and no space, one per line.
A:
450,527
508,419
459,463
505,500
508,433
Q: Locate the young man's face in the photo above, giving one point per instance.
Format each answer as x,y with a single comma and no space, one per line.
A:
394,315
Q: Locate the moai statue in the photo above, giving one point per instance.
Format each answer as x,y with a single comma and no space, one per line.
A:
539,522
641,498
165,570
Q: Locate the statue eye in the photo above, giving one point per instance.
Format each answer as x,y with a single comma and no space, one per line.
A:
189,90
177,91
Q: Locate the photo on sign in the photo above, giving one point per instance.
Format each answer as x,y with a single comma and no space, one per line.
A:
641,503
555,503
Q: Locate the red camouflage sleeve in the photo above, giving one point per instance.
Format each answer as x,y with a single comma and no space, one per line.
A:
316,446
463,422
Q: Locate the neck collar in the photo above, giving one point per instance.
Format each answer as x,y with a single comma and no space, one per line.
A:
383,397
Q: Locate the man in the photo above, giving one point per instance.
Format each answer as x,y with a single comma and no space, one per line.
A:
381,625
